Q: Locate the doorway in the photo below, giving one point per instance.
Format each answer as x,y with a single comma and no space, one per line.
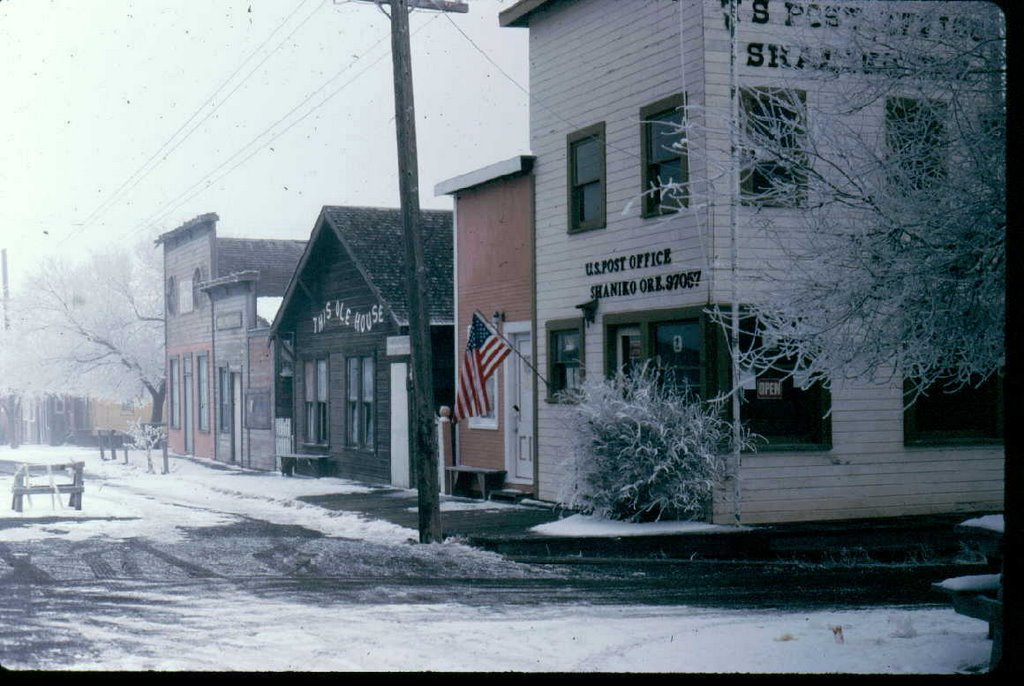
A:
519,394
187,419
236,417
628,348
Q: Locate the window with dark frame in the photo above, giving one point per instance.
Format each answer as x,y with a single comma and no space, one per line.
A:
197,280
316,397
186,295
171,295
664,157
915,141
174,409
586,178
675,345
775,407
774,127
225,400
949,415
203,391
678,349
359,394
565,360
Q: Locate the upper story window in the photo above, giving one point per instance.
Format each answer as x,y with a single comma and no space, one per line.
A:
586,178
185,293
773,124
197,280
664,157
915,140
171,295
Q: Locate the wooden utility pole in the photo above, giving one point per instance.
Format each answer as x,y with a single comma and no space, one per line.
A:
421,407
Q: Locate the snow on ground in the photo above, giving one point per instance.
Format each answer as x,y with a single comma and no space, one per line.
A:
191,494
990,522
585,525
225,628
277,635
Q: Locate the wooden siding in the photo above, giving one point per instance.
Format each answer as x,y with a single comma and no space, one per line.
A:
601,61
260,377
495,273
331,274
181,261
230,351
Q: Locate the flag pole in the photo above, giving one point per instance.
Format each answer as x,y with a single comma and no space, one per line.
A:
511,347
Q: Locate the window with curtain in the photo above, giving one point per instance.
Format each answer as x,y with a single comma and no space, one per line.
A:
359,394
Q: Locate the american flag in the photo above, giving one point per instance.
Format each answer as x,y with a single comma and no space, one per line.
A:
485,351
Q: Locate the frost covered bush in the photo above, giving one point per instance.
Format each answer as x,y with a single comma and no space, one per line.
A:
644,450
146,437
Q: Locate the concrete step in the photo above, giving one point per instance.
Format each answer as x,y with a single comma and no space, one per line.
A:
509,495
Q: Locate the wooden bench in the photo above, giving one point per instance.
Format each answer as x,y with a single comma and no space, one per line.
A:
486,479
112,439
318,463
23,486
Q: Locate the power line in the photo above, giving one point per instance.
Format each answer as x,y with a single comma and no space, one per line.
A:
208,179
564,120
142,172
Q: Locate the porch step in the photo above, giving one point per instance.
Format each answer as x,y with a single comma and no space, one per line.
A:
509,495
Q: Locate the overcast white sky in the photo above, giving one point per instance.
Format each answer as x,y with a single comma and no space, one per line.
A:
123,118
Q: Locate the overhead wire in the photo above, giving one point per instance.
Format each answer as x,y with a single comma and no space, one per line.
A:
548,109
142,172
212,176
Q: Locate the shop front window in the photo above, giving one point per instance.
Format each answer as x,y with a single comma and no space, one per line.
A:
776,405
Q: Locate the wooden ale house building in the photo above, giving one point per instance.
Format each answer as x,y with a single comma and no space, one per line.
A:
343,338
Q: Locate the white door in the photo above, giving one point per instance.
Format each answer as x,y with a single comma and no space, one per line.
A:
283,435
399,425
519,385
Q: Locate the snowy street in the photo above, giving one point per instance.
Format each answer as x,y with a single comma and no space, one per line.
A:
220,569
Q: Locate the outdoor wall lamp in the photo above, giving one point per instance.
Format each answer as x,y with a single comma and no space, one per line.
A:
589,309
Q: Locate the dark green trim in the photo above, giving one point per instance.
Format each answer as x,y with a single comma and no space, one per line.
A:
588,132
645,319
672,102
747,195
551,327
716,365
956,437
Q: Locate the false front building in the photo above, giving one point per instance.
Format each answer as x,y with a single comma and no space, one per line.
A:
343,334
221,294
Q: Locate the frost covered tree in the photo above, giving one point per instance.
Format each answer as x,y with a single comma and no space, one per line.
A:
94,327
899,167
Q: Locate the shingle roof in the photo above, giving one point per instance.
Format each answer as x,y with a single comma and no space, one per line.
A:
274,259
374,238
